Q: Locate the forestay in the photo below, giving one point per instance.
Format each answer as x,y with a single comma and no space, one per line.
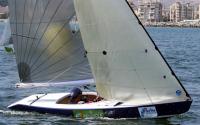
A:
127,66
47,48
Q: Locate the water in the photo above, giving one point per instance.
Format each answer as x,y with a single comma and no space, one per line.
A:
180,46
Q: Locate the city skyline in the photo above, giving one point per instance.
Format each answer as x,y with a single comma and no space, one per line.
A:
167,3
156,11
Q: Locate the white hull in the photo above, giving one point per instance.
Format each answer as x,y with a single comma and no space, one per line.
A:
49,103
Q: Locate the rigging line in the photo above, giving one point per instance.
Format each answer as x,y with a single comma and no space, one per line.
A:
22,37
60,48
48,26
22,30
46,6
31,52
73,72
55,21
68,41
65,57
67,75
46,60
48,67
60,74
50,42
36,78
17,45
62,59
29,35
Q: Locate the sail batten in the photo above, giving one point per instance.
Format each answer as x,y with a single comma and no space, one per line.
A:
125,62
46,47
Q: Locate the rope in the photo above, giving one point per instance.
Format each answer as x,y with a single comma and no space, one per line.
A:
60,74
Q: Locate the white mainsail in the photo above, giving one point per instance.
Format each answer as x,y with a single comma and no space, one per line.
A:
126,64
47,49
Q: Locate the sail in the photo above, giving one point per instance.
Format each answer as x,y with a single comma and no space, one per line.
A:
5,32
47,48
126,64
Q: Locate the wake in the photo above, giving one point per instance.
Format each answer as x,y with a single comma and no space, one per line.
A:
9,112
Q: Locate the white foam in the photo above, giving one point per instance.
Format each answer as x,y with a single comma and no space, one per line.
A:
9,112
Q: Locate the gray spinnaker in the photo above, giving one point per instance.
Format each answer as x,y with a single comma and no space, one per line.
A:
47,48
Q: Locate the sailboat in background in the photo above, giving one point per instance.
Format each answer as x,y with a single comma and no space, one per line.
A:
5,31
47,51
5,37
133,80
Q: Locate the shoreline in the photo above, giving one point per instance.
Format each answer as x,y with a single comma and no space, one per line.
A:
170,24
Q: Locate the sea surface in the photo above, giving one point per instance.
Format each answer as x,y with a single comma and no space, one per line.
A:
181,48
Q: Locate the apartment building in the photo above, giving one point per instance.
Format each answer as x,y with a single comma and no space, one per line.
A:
180,12
175,12
150,11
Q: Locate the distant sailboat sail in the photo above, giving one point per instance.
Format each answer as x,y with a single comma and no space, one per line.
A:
125,62
47,49
5,32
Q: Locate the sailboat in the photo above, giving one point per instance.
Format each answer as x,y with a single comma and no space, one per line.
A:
111,46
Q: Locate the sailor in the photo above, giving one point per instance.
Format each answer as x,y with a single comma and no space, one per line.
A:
83,100
74,94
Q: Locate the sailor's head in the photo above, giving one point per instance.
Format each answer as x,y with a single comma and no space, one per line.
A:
75,92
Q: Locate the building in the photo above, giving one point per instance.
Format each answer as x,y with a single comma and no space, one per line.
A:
3,12
4,3
175,12
179,12
165,15
196,12
133,6
187,12
150,11
199,11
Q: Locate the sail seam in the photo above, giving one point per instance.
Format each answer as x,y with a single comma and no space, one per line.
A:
22,31
50,42
46,29
29,52
56,21
57,61
43,42
60,74
27,40
21,53
61,70
17,46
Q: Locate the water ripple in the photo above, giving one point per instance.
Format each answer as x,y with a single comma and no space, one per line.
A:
180,46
